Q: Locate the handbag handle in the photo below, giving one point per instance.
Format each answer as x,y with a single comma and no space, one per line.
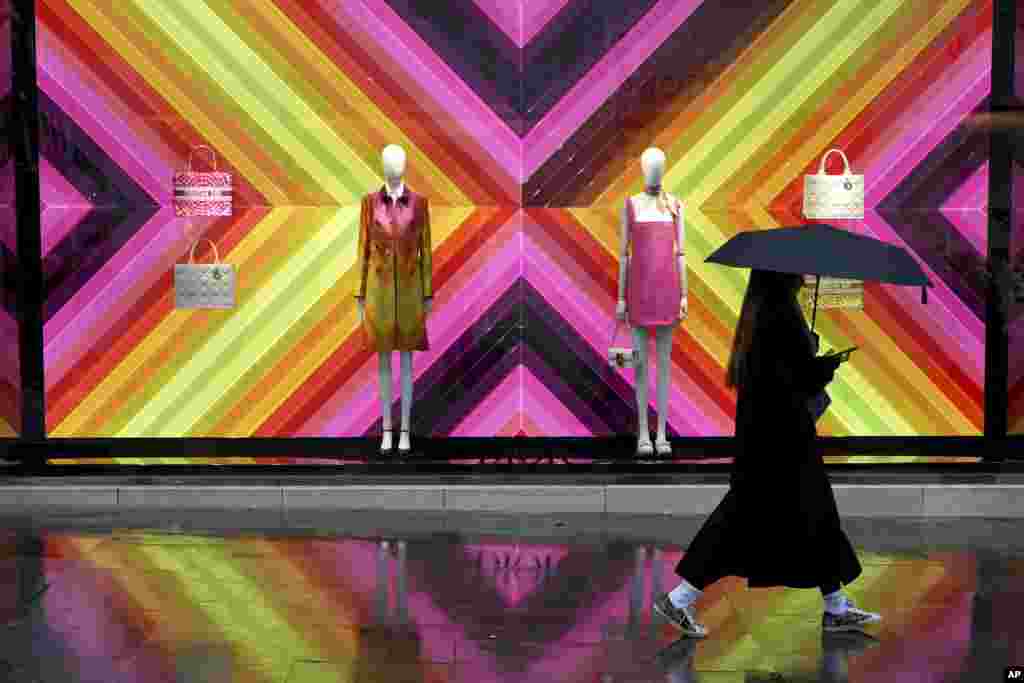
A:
821,166
192,252
213,156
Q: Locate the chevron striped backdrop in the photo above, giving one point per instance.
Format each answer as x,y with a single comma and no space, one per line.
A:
524,125
1016,332
300,608
10,362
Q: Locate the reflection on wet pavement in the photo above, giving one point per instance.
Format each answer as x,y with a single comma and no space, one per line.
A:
152,604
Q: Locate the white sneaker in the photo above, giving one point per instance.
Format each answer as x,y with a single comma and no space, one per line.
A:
850,620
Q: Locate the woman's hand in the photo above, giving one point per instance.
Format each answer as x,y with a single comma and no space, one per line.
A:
684,309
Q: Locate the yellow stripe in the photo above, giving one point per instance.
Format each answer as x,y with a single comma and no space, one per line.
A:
856,26
444,222
866,92
195,111
292,113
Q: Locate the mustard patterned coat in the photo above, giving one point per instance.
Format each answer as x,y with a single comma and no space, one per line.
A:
394,264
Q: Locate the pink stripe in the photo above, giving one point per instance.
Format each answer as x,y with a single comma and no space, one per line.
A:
111,292
545,410
472,290
10,358
967,209
602,80
100,113
491,414
508,16
401,52
536,15
689,416
928,121
958,322
63,206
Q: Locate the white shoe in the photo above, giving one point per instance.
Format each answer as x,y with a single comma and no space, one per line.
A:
663,447
644,446
403,441
850,620
385,442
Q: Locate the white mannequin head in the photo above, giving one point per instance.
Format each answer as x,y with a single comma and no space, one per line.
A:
393,158
652,161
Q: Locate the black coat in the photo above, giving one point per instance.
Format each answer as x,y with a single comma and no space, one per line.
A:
778,523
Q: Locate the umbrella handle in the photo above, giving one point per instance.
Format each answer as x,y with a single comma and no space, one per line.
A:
846,162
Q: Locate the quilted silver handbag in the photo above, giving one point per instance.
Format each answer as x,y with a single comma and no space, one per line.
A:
204,285
834,196
621,356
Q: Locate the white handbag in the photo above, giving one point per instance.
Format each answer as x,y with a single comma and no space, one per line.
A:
828,197
204,285
621,356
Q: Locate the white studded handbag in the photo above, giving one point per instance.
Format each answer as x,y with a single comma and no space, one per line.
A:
828,197
204,285
621,356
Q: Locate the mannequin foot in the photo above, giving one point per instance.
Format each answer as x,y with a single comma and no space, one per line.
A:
403,441
644,446
385,442
663,446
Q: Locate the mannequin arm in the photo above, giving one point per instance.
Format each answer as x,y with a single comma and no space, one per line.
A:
426,254
623,252
681,247
363,250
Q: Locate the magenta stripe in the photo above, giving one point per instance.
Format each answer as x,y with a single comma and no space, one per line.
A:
576,106
966,209
687,401
492,413
100,113
958,322
10,359
63,206
927,122
545,410
146,258
401,53
508,16
472,290
536,14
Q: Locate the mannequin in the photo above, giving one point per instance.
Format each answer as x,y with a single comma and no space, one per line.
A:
655,218
395,292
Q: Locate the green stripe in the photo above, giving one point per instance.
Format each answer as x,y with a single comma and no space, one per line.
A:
270,101
263,322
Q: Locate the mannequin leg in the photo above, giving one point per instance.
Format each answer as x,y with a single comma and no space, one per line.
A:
406,362
384,380
663,341
643,433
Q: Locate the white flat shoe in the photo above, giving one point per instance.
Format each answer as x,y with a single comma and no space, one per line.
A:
403,441
644,447
663,447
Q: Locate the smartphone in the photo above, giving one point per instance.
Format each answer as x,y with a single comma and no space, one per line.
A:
844,355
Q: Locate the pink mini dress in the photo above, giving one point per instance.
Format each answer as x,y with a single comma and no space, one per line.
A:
653,290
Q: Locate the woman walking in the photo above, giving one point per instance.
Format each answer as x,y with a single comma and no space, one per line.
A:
778,524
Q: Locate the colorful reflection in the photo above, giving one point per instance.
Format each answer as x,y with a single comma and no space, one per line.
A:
136,605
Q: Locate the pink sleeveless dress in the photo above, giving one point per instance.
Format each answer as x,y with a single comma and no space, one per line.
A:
653,291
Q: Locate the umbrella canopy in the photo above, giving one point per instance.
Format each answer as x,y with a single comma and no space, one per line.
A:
825,251
822,250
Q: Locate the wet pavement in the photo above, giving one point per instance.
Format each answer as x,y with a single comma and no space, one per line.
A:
396,597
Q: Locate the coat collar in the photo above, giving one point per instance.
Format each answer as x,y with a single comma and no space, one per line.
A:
403,198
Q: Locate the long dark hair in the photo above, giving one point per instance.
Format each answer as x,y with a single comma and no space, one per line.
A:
765,289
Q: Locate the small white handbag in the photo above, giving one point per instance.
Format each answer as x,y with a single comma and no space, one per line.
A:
621,356
828,197
204,285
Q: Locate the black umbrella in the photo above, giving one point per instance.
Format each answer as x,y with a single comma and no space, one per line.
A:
825,251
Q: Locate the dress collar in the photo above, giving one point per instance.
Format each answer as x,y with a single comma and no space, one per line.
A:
403,193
